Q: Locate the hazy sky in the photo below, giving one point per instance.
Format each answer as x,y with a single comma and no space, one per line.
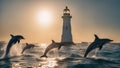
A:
89,17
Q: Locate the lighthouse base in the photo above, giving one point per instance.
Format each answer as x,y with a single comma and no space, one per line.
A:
68,43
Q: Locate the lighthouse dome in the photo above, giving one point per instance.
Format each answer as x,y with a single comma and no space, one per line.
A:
66,10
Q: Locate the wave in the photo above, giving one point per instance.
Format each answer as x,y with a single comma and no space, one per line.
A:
87,66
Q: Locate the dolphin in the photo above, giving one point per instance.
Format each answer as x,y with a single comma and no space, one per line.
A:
28,46
12,41
51,46
56,45
97,43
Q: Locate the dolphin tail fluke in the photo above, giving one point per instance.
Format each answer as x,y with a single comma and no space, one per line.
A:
7,51
22,51
85,55
43,56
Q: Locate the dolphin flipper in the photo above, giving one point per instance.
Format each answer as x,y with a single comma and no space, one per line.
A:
43,56
59,47
100,47
15,42
18,41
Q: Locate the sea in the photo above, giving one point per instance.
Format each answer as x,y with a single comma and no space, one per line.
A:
66,57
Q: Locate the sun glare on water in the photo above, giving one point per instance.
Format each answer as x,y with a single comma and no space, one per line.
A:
44,17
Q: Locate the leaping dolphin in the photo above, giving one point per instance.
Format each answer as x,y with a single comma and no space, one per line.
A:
51,46
56,45
98,43
12,41
28,46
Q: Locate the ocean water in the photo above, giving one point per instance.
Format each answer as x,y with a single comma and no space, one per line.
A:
66,57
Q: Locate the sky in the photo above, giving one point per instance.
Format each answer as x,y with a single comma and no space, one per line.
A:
89,17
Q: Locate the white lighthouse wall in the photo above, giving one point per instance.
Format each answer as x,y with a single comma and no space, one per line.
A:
66,34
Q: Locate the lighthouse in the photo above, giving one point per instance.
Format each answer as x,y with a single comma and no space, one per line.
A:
66,30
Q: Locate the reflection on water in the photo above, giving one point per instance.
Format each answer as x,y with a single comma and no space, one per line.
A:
16,65
51,62
35,61
44,63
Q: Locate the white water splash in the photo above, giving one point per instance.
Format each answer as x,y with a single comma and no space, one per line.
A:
4,49
16,50
95,55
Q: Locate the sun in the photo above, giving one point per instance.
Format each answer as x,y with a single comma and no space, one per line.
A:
44,17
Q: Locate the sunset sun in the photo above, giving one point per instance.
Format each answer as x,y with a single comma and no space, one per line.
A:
44,17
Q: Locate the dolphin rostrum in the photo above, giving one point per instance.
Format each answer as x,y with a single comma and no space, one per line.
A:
12,41
28,46
56,45
98,43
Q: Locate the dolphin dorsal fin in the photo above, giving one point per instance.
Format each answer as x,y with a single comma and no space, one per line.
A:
53,41
11,35
96,37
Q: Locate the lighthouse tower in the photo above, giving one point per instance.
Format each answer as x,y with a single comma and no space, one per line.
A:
66,31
